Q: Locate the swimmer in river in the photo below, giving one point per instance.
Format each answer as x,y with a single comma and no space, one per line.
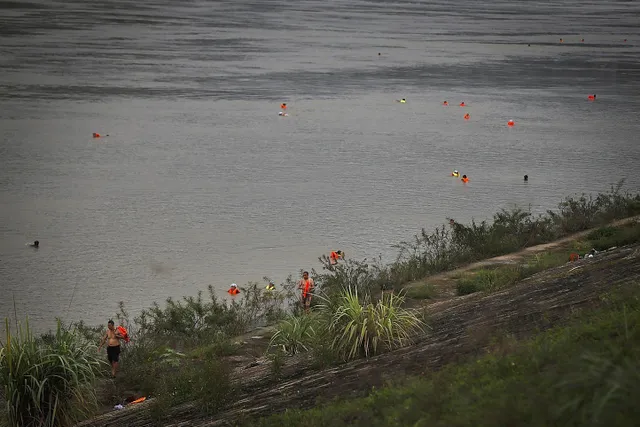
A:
35,244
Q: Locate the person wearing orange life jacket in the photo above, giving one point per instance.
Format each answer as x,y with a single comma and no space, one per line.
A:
233,290
306,286
465,179
334,256
283,106
112,337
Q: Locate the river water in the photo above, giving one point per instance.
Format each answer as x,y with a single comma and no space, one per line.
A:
200,182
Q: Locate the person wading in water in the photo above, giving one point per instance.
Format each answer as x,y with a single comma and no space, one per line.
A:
306,286
112,338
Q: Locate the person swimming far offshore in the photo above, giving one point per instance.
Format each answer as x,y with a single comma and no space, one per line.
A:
402,101
455,173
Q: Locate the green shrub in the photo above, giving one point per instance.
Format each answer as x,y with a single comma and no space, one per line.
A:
608,237
426,291
295,333
205,384
48,382
489,279
363,329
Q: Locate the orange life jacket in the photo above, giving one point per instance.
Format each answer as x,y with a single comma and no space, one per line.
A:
306,288
123,332
233,291
465,180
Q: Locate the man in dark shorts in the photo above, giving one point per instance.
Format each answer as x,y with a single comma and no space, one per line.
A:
112,338
306,285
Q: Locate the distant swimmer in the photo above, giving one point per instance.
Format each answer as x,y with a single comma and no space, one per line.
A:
283,114
592,97
402,101
270,287
445,103
455,173
378,53
283,106
526,177
462,104
35,244
334,256
233,290
465,179
467,116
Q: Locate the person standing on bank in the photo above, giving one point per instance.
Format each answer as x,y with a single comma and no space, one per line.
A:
306,285
112,338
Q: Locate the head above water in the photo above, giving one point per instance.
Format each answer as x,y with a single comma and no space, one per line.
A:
233,285
464,176
36,243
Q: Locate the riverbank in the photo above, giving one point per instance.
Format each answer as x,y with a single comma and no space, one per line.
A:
473,330
201,352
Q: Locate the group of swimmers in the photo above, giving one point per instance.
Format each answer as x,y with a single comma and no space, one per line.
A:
306,285
456,174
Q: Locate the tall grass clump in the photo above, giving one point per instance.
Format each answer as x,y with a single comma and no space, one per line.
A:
295,334
363,328
48,384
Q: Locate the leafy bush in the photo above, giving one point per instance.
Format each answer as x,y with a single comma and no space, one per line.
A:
497,278
426,291
489,279
362,329
205,384
295,333
50,383
608,237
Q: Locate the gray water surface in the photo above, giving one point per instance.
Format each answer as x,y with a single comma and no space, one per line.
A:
201,183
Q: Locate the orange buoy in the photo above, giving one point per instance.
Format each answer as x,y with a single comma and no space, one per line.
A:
462,104
592,97
445,103
96,135
467,116
511,123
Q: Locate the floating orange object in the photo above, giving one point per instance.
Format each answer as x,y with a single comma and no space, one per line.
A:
445,103
462,104
592,97
574,257
511,123
96,135
283,106
467,116
142,399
